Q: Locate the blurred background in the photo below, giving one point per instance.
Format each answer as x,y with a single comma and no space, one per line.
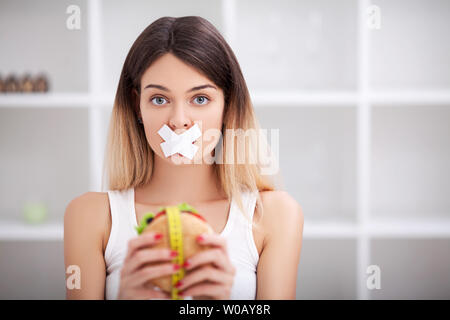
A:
359,90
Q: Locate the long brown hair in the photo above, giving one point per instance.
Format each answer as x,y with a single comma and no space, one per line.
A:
194,40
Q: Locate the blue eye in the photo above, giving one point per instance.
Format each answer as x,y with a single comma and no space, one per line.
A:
159,101
158,104
204,98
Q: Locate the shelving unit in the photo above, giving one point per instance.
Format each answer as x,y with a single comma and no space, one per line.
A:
15,231
349,218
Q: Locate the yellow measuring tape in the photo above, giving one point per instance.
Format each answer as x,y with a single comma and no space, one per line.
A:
176,243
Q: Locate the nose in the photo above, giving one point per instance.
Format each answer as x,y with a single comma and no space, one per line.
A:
179,119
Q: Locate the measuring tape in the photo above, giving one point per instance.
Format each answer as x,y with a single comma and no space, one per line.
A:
176,243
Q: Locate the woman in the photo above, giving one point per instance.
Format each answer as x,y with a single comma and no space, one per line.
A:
181,73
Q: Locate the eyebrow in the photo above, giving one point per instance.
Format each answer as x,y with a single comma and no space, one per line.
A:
190,90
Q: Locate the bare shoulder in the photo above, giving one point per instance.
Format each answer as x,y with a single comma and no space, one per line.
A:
274,201
88,212
86,204
281,211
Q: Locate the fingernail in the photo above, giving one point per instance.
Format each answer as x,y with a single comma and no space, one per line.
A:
179,283
158,236
176,266
173,253
200,238
186,264
180,293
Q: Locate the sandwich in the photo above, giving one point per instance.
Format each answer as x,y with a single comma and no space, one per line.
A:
192,225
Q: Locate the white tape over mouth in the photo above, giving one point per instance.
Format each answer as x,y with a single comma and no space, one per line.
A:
179,143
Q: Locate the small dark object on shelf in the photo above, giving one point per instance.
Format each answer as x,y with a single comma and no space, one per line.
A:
11,84
2,84
26,84
41,84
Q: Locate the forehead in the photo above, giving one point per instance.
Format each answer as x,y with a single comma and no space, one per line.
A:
173,73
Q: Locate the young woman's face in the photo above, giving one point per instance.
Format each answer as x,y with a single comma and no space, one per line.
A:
167,98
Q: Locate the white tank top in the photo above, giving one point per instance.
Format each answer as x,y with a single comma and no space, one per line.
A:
237,232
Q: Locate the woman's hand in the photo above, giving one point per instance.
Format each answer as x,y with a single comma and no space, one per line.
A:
135,273
213,282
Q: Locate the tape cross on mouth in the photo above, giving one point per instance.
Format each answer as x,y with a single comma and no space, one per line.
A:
179,143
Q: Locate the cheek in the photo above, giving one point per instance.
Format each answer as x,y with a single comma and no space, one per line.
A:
152,135
212,131
151,132
211,118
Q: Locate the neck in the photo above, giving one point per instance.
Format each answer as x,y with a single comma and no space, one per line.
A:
173,184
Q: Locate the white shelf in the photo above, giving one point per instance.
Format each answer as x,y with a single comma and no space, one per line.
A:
259,99
408,228
57,100
334,229
298,98
409,97
379,228
15,230
375,228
